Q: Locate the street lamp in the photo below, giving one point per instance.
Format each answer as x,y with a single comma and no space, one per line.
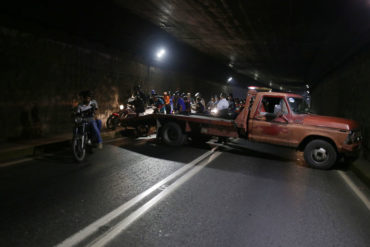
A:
161,53
158,56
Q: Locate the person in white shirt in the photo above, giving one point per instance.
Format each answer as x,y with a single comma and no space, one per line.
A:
88,106
222,106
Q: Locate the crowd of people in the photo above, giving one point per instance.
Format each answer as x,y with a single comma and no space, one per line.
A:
167,103
186,103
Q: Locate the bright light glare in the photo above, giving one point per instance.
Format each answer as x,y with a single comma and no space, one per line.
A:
161,53
230,79
307,86
121,107
149,111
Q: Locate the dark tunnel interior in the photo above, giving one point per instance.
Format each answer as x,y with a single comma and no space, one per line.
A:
51,50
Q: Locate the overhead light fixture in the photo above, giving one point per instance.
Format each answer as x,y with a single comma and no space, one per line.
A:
161,53
307,86
229,79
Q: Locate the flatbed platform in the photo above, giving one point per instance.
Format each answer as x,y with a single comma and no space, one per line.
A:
195,118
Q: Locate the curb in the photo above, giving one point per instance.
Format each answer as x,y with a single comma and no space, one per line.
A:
33,150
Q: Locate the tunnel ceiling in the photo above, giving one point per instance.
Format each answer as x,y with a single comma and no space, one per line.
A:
287,42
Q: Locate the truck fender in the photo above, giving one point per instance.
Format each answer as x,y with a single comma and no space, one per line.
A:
309,138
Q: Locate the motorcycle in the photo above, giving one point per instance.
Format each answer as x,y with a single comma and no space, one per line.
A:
83,137
114,120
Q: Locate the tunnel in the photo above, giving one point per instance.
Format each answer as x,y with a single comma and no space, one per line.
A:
51,50
284,163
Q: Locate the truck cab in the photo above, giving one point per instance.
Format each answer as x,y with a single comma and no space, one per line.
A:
284,119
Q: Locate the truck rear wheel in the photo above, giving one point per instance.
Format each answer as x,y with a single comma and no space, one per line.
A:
172,134
320,154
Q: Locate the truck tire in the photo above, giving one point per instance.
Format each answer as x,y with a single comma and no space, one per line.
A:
320,154
172,134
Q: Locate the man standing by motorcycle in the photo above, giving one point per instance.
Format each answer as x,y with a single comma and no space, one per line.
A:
88,107
139,101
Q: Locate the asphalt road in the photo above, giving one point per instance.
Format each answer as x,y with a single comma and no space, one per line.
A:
232,196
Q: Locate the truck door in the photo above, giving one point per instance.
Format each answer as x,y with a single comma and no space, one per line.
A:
270,123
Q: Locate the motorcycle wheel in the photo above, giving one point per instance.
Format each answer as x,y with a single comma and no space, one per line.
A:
112,122
79,151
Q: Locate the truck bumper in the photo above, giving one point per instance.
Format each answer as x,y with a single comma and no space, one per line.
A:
351,151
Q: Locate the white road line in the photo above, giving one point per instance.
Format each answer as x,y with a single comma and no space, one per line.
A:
121,226
94,227
355,189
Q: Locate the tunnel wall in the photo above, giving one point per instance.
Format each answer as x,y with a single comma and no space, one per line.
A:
346,93
41,78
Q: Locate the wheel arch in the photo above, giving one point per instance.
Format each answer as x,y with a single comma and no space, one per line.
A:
309,138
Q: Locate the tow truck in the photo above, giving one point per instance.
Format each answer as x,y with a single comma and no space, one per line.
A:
267,117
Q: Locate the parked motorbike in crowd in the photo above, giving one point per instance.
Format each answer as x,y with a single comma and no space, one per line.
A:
114,120
83,137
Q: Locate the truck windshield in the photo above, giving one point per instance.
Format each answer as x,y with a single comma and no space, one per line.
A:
298,105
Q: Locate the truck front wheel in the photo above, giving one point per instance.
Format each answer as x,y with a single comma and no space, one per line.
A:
320,154
172,134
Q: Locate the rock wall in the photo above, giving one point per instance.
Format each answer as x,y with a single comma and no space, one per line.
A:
41,79
346,93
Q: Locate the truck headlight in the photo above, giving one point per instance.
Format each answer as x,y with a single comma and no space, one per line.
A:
354,136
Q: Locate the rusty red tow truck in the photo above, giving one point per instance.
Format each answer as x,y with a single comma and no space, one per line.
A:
267,117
